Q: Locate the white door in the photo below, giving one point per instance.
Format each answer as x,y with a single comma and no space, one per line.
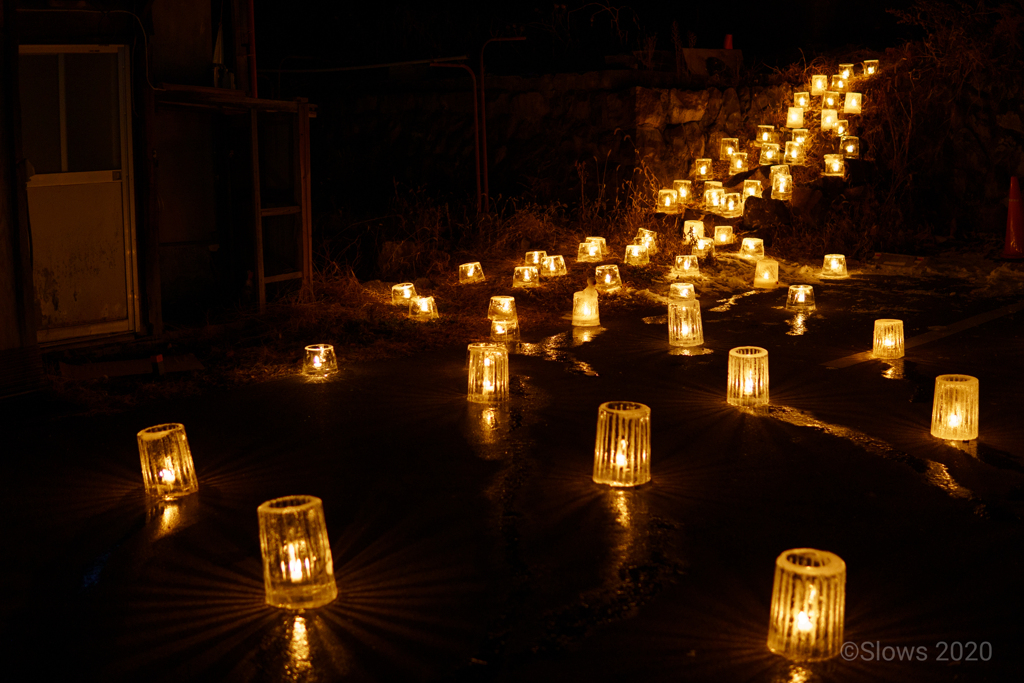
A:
76,134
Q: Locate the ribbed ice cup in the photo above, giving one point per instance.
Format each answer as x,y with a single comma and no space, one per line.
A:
684,323
502,308
748,377
955,408
298,570
800,298
808,605
402,293
622,452
488,373
585,311
167,469
888,339
319,360
608,279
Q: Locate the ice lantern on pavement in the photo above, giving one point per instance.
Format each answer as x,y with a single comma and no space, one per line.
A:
818,85
752,248
834,267
584,307
808,605
795,117
766,274
782,186
684,324
319,360
955,408
167,469
748,376
488,373
852,103
526,276
298,570
402,294
636,255
423,308
800,298
702,169
608,279
622,451
502,308
588,252
535,258
727,148
470,272
504,331
553,266
888,340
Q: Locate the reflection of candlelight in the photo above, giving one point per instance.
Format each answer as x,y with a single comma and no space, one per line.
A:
424,305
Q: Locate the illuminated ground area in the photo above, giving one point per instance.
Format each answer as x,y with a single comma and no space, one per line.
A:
471,545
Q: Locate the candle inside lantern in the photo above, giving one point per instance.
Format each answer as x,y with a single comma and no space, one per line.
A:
167,469
834,267
705,247
648,238
684,323
846,71
319,360
686,265
584,307
298,570
800,298
526,276
839,83
850,146
769,153
402,293
751,188
607,278
888,339
714,198
723,234
834,165
622,450
765,133
870,67
795,153
502,308
828,119
553,266
752,248
422,309
666,199
681,290
702,169
732,205
636,255
808,605
800,136
852,103
782,186
748,376
955,408
588,252
602,245
471,272
693,230
488,373
738,162
727,147
684,190
766,274
830,100
504,331
535,258
802,99
818,85
795,117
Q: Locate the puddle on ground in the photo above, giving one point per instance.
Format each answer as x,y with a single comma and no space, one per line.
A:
893,369
798,324
656,320
553,348
689,351
731,301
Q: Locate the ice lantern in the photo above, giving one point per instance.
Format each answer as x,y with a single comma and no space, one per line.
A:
748,376
830,100
682,290
765,134
622,451
808,605
488,373
888,340
800,136
834,165
766,274
686,265
828,119
504,331
502,308
723,235
769,154
782,186
666,199
553,266
714,199
795,153
834,267
608,279
702,169
802,99
423,308
298,570
851,105
693,230
535,258
167,469
648,238
955,408
602,245
525,276
846,71
738,162
584,308
818,85
727,148
732,205
800,298
684,191
684,325
842,127
705,247
795,117
839,83
402,294
588,252
870,67
751,188
851,146
319,360
636,255
470,272
752,248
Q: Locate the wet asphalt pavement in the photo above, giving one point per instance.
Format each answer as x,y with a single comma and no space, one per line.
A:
470,543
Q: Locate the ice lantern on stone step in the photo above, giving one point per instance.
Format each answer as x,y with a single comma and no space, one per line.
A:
298,570
738,163
766,274
714,199
795,117
955,408
319,360
167,469
732,205
802,99
422,309
502,308
727,148
488,373
608,279
588,252
808,605
782,187
834,267
622,451
526,277
769,153
686,265
705,247
702,169
553,266
828,119
723,235
585,311
684,324
667,200
888,339
693,230
852,103
636,255
402,294
842,127
751,188
748,377
800,298
818,85
795,153
830,100
834,165
752,248
471,272
870,67
535,258
765,133
851,146
684,190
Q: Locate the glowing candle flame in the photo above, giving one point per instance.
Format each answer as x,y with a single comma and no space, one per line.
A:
668,201
871,70
424,306
835,264
469,271
954,420
739,164
770,154
608,278
764,137
803,622
295,565
835,166
782,184
766,275
317,361
526,275
166,475
849,149
703,170
801,297
846,73
748,384
800,139
620,454
728,150
840,129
